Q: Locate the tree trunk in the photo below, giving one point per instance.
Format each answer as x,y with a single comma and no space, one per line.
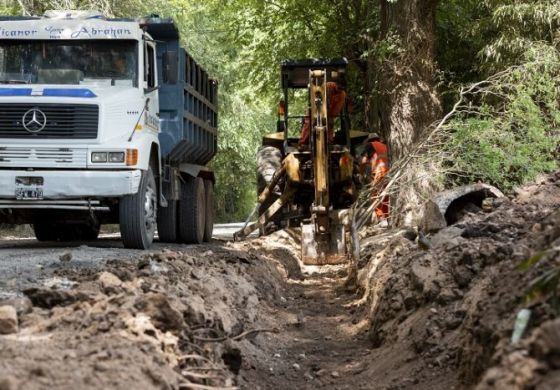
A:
371,93
409,101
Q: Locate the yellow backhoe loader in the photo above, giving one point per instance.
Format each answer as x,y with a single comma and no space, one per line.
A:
311,184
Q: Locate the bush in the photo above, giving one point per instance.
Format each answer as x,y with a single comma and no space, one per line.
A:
509,130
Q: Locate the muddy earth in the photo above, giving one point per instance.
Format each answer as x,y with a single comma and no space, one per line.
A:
248,315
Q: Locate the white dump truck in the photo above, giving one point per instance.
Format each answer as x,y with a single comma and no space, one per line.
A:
104,121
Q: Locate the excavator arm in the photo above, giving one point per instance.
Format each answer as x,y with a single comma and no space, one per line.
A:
323,239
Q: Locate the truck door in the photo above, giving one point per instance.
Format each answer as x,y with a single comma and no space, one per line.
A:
151,87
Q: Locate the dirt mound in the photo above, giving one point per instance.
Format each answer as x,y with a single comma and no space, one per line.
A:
454,305
167,320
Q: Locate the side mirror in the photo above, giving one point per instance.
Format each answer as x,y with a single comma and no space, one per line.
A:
280,126
171,67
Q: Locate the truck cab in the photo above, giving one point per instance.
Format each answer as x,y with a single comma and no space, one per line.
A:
81,125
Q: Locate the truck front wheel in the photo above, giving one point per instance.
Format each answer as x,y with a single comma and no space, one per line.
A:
137,214
192,211
45,231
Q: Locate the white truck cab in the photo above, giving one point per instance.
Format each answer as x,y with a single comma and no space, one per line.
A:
80,126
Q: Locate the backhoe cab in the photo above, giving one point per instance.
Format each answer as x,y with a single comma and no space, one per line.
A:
309,182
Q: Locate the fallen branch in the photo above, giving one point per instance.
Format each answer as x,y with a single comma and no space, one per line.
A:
197,376
195,386
196,357
249,332
235,338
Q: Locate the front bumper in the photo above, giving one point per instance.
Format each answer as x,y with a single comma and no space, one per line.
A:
75,184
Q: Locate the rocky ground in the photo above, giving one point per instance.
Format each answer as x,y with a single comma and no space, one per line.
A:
248,315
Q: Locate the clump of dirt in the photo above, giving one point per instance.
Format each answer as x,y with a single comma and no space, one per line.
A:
454,305
172,319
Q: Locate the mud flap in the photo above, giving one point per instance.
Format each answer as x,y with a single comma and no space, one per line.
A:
322,249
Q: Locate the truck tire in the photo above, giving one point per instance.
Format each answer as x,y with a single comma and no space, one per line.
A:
167,220
45,231
192,211
76,231
209,221
138,214
269,159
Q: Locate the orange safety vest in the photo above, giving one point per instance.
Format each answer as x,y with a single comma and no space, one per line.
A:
379,161
335,103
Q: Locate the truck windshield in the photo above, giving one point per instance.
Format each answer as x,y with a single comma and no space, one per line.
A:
103,62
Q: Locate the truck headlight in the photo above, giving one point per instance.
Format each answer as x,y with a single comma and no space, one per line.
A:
99,157
116,157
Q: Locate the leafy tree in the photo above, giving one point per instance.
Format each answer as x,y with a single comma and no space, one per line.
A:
404,55
518,25
510,130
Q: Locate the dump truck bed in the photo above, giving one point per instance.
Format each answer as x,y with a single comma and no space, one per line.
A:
188,103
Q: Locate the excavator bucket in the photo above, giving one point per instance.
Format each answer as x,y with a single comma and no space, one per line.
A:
325,248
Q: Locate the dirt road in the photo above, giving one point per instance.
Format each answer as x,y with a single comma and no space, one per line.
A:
25,262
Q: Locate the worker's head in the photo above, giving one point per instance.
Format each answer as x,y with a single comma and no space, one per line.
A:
118,62
373,137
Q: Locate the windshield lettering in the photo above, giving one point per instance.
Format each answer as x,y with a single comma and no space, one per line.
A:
17,33
54,30
92,32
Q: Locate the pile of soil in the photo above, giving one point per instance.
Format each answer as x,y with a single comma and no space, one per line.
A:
444,315
169,320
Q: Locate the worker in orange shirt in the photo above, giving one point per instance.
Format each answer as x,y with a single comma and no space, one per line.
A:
336,97
375,160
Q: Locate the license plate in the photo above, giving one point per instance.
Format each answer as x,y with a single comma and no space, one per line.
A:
29,188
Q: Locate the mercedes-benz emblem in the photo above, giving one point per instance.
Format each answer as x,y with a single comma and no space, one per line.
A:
34,120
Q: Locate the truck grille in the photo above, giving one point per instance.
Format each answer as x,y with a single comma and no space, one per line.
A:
43,157
78,121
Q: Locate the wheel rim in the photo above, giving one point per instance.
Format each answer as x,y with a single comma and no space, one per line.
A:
150,210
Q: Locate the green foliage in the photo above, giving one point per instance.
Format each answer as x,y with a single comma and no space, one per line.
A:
507,136
461,38
519,24
511,131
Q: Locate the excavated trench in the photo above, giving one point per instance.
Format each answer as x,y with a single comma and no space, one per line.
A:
248,315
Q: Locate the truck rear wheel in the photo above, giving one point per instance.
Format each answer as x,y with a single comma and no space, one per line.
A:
167,220
48,231
137,214
192,211
89,231
45,231
209,222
